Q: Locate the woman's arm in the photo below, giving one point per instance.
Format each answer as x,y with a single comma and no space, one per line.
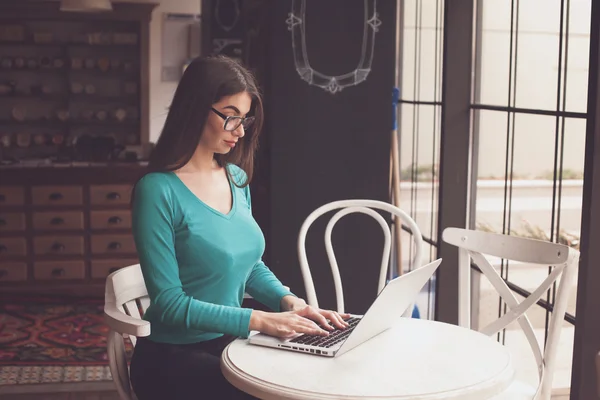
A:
153,229
264,287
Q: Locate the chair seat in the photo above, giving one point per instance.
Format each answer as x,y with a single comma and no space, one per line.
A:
518,390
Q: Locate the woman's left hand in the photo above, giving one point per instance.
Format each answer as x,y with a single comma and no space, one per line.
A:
322,317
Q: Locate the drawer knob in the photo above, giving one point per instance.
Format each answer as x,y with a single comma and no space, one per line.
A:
3,248
58,272
114,220
3,273
55,196
113,196
58,247
57,221
3,222
114,246
2,198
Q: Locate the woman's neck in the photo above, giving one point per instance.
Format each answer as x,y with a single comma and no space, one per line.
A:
201,161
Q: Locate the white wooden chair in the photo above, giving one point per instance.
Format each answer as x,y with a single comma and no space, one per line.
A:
125,301
125,295
349,207
473,245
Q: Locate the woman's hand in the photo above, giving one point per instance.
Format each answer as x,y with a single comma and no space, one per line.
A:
283,324
323,317
301,318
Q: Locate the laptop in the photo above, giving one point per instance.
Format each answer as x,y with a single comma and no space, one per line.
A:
385,311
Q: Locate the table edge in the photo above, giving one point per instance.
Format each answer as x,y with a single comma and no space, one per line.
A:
260,388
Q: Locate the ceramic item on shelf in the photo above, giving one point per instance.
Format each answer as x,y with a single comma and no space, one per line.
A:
18,113
39,139
104,64
5,89
58,63
5,140
125,38
101,115
45,62
58,139
76,87
62,115
76,63
23,139
12,33
120,114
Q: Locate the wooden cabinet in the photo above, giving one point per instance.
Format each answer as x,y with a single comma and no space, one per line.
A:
65,229
74,118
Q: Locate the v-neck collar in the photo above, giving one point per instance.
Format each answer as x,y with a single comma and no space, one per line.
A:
231,212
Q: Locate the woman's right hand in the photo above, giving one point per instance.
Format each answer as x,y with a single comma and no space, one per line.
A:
283,324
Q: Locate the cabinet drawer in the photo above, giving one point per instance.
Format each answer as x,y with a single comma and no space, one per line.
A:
58,245
12,222
113,244
117,219
11,272
57,195
59,270
11,196
110,194
102,268
12,246
62,220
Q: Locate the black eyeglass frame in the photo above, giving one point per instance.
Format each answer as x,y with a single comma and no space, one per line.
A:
246,122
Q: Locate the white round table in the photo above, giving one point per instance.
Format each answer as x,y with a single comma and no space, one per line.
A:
416,359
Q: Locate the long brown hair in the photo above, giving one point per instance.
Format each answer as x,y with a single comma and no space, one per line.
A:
205,81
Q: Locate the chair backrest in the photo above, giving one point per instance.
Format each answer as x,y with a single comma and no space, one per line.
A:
348,207
125,301
473,245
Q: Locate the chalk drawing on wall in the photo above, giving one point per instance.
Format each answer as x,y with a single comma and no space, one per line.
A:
234,7
330,83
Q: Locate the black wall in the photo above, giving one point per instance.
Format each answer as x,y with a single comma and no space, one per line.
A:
326,147
319,147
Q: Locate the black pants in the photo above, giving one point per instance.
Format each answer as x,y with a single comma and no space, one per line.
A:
161,371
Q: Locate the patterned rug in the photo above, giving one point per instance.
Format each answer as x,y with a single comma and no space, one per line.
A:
52,339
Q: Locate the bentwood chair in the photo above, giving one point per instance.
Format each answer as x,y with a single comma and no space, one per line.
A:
347,207
472,246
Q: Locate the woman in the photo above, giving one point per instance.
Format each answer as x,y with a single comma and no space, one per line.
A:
199,247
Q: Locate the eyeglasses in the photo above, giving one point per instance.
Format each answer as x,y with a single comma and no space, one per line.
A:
233,122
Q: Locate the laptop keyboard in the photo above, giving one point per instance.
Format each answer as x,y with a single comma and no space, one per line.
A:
336,336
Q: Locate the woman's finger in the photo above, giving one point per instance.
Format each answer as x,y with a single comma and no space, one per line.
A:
336,319
306,325
321,319
315,315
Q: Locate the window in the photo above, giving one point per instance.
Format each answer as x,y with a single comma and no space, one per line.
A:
419,116
529,120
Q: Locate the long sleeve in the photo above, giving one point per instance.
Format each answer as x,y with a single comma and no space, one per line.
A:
262,284
153,227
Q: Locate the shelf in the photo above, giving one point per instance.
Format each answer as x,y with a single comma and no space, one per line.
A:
63,96
67,124
68,44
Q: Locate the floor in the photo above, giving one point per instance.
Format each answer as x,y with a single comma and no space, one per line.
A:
112,395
